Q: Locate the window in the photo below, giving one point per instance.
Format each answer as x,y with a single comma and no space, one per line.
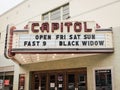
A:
71,81
103,79
46,16
60,13
65,12
36,81
56,14
21,81
6,80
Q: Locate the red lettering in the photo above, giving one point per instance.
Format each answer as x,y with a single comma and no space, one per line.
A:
33,29
55,26
77,27
61,27
68,24
45,26
86,29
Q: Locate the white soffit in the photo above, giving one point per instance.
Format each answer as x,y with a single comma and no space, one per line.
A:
35,58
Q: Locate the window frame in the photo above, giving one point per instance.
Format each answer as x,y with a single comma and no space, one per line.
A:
102,68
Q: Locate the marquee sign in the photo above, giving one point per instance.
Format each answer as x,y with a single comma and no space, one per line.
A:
61,37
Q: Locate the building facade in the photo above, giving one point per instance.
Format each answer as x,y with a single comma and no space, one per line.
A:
73,71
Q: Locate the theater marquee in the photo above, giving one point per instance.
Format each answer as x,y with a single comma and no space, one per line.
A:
61,37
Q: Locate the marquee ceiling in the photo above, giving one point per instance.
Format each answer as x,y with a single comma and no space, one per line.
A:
35,58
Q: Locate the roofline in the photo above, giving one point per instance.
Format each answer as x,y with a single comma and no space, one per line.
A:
13,7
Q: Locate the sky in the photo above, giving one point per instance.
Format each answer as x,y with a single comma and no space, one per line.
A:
5,5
